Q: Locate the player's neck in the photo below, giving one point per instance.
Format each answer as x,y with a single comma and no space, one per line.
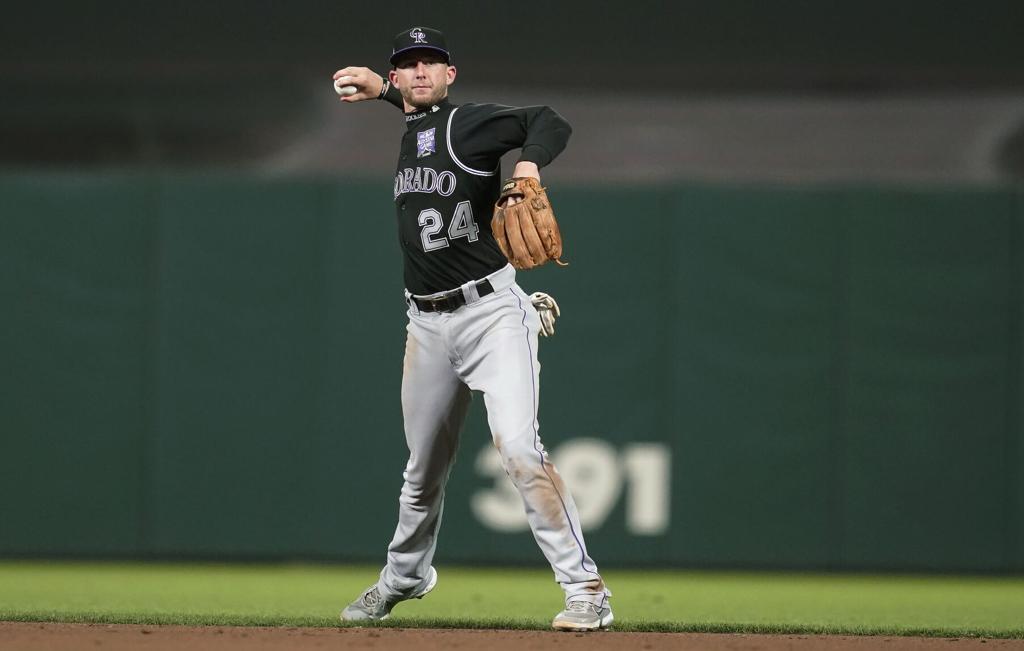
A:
412,110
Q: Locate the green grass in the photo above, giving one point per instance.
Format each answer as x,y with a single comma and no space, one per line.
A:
307,595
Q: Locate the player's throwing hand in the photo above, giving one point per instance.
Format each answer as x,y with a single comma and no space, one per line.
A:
356,83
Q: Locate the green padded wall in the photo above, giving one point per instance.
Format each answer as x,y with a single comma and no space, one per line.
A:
208,366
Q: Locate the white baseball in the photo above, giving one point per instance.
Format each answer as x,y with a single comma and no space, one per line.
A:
343,87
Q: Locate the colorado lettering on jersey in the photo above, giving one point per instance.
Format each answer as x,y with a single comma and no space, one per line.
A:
424,179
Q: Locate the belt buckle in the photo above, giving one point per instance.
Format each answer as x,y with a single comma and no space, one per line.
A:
438,303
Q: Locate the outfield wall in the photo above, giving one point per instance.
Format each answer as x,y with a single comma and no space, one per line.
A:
808,378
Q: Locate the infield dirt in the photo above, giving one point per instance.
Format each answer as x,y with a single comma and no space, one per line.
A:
38,636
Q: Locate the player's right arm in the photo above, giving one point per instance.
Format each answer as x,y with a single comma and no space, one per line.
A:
369,85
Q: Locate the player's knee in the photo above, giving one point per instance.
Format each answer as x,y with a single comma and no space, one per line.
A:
420,495
522,463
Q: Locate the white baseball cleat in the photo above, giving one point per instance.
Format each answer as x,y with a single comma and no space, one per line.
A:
371,606
583,616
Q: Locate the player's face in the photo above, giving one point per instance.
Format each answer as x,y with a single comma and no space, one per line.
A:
423,78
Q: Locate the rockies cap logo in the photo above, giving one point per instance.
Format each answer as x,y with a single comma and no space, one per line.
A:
419,38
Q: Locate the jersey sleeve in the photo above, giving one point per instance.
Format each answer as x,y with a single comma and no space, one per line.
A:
481,133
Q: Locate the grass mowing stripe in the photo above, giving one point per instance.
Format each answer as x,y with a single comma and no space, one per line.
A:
669,601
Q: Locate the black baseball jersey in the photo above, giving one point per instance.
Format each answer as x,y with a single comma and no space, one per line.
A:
448,180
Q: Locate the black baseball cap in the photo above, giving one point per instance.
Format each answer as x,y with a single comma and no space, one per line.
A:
420,38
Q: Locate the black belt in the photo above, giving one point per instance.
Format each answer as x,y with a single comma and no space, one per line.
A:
450,301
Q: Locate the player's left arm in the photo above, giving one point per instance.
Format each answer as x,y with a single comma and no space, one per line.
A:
482,133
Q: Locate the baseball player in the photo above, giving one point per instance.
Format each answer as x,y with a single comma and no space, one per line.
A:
470,326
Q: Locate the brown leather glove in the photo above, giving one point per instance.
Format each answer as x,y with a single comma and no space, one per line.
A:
527,231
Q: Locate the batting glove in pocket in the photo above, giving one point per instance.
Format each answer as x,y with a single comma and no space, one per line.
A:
548,310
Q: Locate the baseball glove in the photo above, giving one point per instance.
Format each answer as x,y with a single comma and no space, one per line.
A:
526,231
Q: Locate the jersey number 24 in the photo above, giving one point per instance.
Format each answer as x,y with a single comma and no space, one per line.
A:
462,226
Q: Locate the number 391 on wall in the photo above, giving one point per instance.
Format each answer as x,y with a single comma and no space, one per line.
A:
596,474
